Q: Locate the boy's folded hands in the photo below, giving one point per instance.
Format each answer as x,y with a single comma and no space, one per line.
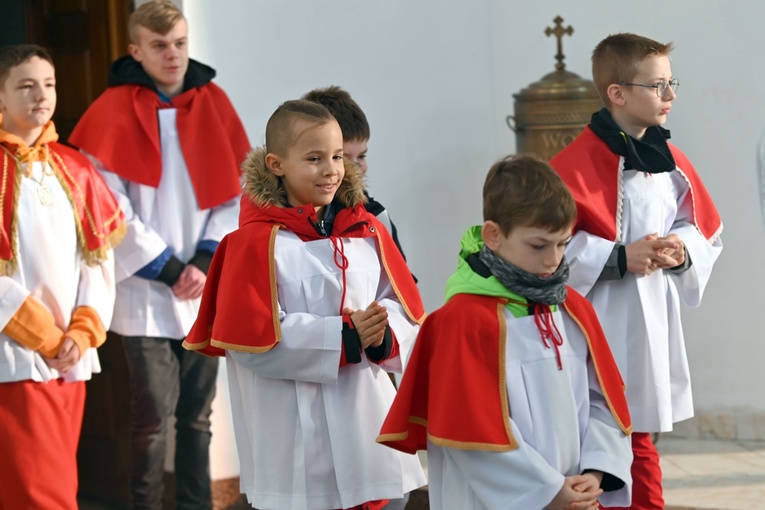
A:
370,323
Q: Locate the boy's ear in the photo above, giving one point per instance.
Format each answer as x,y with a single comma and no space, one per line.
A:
490,233
616,94
135,52
274,164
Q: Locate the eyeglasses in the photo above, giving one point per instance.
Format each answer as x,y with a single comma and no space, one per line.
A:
661,86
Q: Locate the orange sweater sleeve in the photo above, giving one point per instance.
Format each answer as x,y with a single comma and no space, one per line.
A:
86,328
33,327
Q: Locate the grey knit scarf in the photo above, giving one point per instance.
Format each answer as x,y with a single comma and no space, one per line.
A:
549,291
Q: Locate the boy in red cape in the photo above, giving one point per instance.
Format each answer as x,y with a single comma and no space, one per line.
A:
169,145
311,302
356,132
511,386
646,236
59,225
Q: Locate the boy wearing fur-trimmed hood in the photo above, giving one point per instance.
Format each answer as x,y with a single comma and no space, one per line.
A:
311,302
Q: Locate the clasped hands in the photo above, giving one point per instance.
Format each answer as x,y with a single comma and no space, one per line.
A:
579,492
654,252
67,357
369,323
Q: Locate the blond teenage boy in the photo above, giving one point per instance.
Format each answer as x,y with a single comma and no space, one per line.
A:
169,145
59,223
647,235
311,302
511,385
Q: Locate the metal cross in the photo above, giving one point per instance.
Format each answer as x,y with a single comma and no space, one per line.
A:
559,32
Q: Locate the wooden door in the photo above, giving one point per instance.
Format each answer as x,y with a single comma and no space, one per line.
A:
84,37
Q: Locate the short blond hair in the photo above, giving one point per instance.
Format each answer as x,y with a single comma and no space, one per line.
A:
616,58
159,16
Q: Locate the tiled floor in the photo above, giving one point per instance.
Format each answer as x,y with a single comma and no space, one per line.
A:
706,474
699,474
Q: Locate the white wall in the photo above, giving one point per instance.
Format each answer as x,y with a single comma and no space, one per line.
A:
424,81
436,80
717,120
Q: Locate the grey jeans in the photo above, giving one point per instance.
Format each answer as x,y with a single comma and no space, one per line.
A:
167,380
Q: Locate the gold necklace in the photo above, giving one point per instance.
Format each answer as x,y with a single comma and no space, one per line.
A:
44,194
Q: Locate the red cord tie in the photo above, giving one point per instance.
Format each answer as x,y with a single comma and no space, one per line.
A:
341,261
551,337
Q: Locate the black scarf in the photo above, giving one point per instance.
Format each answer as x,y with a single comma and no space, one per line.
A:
651,154
126,70
548,291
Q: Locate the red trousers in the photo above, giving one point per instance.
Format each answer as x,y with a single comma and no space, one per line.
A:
372,505
647,492
39,432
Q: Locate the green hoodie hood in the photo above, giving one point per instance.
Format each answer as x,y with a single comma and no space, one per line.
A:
466,281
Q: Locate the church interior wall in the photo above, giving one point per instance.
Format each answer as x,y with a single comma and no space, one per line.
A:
436,80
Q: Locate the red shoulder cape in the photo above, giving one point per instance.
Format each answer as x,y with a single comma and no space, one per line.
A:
448,368
239,309
121,129
100,221
591,172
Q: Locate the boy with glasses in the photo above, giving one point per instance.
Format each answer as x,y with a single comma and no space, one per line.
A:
647,233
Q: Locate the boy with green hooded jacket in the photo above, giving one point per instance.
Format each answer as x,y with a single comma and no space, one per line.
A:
513,374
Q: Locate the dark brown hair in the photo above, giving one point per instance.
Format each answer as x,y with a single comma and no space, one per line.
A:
16,54
525,191
350,116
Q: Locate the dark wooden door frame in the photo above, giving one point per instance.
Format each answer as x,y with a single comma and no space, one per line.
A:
84,37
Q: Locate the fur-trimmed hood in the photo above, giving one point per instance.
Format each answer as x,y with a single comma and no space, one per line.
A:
263,188
242,278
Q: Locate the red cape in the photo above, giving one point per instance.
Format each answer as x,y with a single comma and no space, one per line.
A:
240,310
591,172
454,389
100,222
121,129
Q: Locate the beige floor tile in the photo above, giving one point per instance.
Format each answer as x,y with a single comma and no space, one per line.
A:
713,474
